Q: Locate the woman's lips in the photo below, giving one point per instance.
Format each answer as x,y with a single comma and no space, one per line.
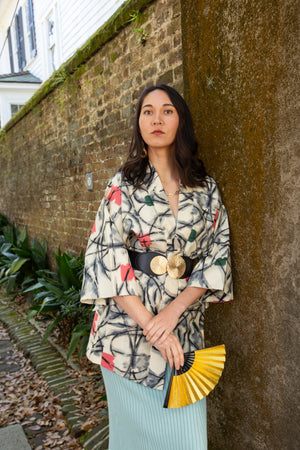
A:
157,132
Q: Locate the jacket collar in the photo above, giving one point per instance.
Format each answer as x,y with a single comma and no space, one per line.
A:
185,218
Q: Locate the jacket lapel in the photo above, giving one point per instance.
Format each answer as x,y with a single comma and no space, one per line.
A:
155,213
185,220
161,205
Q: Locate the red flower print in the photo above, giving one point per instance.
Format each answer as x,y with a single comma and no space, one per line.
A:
93,330
127,273
94,228
144,239
215,219
107,361
114,195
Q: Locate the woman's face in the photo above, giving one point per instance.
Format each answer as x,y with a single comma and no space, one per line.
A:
158,120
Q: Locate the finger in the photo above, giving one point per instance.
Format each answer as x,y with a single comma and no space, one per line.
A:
178,346
163,353
164,336
150,334
181,357
156,341
175,354
180,360
169,355
178,353
176,358
155,337
151,329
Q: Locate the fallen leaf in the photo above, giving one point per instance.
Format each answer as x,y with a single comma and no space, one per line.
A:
34,427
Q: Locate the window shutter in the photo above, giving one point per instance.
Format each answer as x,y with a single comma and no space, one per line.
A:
31,28
20,40
11,56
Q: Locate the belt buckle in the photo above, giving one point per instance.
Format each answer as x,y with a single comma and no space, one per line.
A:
158,265
176,266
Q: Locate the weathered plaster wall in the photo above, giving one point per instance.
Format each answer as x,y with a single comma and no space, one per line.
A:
241,80
80,121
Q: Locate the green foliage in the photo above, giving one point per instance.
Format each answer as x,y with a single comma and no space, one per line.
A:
2,134
80,336
55,295
142,35
19,258
135,16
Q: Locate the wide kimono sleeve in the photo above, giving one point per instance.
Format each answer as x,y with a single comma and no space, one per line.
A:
108,271
213,270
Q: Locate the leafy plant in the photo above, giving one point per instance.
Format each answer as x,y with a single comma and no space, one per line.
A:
19,259
135,16
56,296
80,336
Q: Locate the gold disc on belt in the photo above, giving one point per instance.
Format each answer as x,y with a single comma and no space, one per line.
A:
158,265
176,266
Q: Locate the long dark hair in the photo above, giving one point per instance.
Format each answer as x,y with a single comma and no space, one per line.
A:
191,169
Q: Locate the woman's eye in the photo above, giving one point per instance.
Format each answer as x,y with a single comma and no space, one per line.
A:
147,112
169,111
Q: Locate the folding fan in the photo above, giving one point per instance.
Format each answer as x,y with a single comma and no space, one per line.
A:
197,377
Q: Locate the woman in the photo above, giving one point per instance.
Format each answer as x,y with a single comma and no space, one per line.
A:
157,255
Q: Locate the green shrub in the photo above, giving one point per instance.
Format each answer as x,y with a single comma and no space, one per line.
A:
19,259
56,296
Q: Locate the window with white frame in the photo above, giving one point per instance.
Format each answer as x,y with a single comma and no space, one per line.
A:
51,41
14,108
20,40
31,28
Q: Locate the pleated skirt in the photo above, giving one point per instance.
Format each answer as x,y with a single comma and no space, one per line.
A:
137,419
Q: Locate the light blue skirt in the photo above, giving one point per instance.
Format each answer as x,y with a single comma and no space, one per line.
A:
137,419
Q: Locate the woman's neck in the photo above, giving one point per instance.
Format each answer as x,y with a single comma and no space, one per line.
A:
164,165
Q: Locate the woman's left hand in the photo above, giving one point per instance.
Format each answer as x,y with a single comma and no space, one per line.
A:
160,326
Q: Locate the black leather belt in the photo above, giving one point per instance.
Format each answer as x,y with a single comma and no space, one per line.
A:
153,263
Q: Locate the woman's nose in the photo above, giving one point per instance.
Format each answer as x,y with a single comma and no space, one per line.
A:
157,119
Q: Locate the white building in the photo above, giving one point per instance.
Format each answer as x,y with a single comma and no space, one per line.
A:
36,37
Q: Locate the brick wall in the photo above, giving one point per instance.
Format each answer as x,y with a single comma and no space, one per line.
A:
84,125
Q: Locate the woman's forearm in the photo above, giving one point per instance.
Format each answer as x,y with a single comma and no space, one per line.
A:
185,299
133,306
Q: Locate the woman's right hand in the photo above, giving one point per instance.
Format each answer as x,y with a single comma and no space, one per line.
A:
171,351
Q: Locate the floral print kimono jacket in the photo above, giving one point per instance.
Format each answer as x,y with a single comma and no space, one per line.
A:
142,220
